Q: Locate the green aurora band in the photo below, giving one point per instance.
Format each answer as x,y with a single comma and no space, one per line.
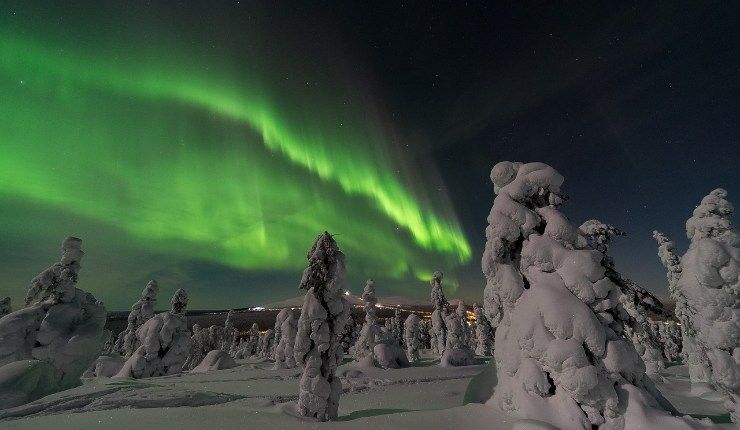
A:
206,167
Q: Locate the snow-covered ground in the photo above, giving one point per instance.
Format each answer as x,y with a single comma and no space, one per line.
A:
252,395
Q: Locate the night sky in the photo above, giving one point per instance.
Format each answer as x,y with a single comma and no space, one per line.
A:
206,144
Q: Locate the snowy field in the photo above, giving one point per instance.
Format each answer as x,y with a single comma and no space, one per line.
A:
253,395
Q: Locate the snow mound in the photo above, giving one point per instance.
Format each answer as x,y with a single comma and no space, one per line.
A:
215,360
106,366
390,356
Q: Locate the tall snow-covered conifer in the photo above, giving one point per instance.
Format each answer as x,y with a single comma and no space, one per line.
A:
318,347
560,354
706,285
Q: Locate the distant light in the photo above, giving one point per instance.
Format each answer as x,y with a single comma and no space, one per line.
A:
258,308
346,293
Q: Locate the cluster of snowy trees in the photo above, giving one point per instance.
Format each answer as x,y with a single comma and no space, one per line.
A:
705,283
562,348
48,344
576,344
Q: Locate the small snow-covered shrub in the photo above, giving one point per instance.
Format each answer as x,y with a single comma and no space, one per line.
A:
323,316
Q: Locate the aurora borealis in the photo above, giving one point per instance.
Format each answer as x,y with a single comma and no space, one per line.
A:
206,144
202,162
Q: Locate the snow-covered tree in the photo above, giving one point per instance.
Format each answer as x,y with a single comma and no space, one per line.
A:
426,329
370,330
706,283
52,340
253,340
456,352
350,335
412,335
5,307
198,347
266,344
633,300
229,333
140,313
638,330
387,351
670,340
165,343
397,326
439,315
560,353
324,314
284,349
462,313
483,332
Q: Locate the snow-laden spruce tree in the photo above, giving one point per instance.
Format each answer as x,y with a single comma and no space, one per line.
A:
47,345
439,315
324,314
165,342
708,286
560,354
634,300
670,339
140,313
397,327
412,334
462,313
350,335
426,334
266,344
370,329
253,340
229,333
456,352
483,332
5,307
388,352
198,347
286,339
